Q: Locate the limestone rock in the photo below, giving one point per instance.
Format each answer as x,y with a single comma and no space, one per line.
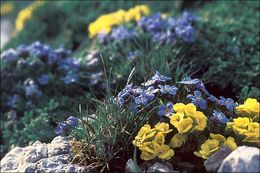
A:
243,159
41,157
160,167
131,167
213,162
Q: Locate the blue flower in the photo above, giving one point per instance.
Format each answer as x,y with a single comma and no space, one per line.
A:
72,121
121,33
220,116
229,103
11,101
61,128
153,23
124,94
197,100
31,89
167,89
186,33
195,82
70,78
142,99
145,97
166,110
157,78
43,79
213,98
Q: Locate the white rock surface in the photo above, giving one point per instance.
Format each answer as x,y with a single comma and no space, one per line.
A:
41,157
243,159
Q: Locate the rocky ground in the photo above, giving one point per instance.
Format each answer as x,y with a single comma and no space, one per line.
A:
56,157
40,157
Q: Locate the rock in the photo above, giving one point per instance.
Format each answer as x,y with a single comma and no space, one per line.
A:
213,162
243,159
40,157
186,167
160,167
131,167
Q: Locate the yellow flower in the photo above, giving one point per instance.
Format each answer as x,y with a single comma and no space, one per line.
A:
184,125
177,140
231,143
7,8
250,108
106,22
165,153
149,151
212,145
151,142
159,139
148,156
144,133
187,118
246,129
163,127
26,14
179,107
200,121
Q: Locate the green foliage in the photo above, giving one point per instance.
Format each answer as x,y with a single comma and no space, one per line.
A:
108,134
231,38
66,21
149,58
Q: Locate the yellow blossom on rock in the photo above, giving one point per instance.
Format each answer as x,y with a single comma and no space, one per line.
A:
26,14
187,118
250,108
210,146
177,140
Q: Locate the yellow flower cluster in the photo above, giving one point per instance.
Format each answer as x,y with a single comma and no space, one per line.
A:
212,145
151,142
26,14
7,8
105,22
187,118
250,108
245,128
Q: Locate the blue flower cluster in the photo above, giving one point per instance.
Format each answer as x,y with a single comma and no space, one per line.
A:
70,123
34,66
161,29
140,96
167,30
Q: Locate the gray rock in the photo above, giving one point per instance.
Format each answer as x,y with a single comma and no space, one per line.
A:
213,162
243,159
131,167
160,167
41,157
